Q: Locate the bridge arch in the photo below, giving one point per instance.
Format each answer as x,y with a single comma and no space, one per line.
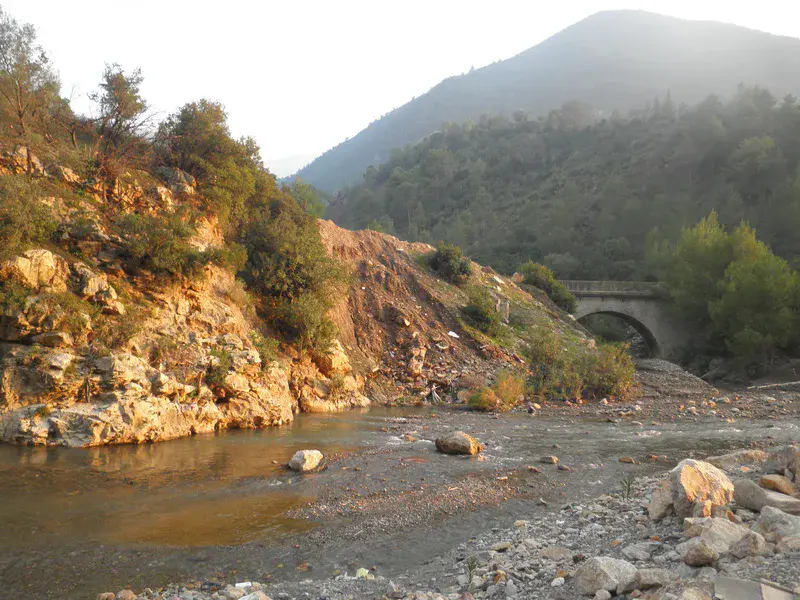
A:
640,304
653,347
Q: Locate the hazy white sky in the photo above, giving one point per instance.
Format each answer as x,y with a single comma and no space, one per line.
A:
302,75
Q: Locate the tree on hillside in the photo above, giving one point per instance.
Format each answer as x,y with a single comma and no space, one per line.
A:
308,198
120,125
197,139
28,83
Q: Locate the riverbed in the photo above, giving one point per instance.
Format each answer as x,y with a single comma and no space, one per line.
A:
78,522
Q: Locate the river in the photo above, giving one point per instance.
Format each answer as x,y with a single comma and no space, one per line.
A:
78,522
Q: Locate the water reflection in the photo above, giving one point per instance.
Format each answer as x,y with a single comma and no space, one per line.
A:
217,489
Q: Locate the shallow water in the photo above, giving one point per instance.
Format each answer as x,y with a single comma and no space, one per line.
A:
229,488
85,521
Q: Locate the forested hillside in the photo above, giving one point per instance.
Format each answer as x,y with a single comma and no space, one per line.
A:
611,60
598,201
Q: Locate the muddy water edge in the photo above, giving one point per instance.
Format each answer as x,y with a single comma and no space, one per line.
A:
78,522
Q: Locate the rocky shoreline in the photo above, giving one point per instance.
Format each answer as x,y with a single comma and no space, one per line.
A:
690,534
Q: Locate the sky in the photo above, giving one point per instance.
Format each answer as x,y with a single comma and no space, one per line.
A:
301,76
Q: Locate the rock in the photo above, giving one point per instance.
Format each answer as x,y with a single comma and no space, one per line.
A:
732,588
694,593
660,502
648,578
627,460
778,483
232,592
458,442
604,573
735,460
550,460
789,544
602,595
64,174
556,553
774,520
694,481
640,551
54,339
697,552
785,458
335,361
106,596
305,460
257,595
751,496
126,595
557,582
40,269
718,532
750,544
501,547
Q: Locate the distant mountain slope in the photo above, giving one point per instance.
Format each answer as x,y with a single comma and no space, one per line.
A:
592,202
611,60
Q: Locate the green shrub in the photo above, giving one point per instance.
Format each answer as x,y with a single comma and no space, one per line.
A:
449,262
231,256
13,295
289,269
24,221
160,245
480,311
540,276
502,395
216,373
268,348
564,370
610,371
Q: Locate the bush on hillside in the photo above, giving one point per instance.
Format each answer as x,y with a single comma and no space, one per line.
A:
24,221
540,276
449,262
560,370
501,396
480,311
160,245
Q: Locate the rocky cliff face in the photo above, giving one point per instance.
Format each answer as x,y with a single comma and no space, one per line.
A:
92,353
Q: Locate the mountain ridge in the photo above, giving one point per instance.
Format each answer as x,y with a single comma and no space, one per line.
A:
612,60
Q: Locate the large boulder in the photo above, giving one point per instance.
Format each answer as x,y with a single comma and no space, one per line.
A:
39,269
695,481
604,573
750,495
458,442
306,460
774,520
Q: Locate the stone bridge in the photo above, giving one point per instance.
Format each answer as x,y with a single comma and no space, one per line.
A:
640,304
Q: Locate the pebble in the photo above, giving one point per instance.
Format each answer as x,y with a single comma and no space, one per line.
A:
557,582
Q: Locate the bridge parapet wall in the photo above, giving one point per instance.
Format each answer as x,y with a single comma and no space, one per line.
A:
642,289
